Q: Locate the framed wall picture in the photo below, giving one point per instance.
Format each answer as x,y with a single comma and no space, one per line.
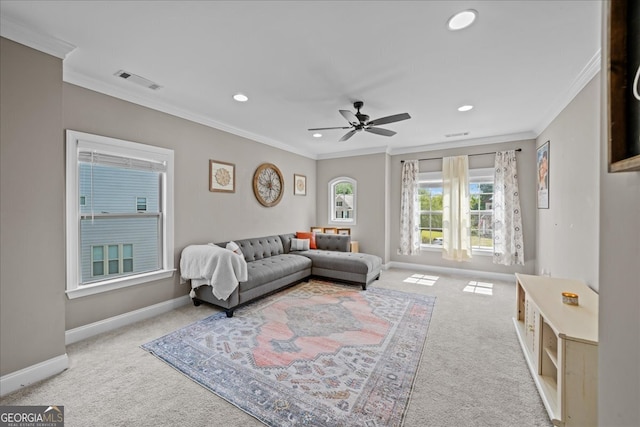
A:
222,177
344,231
317,229
299,185
330,230
543,176
623,79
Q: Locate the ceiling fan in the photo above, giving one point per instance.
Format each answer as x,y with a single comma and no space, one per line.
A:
360,122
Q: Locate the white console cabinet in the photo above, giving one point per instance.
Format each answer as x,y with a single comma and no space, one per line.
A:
560,344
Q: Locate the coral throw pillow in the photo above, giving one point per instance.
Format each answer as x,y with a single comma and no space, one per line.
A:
310,236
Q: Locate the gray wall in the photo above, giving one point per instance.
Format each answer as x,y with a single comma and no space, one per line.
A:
200,215
36,108
526,184
32,268
568,230
370,172
619,282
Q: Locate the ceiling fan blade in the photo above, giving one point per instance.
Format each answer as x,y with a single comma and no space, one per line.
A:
340,127
351,118
389,119
347,135
380,131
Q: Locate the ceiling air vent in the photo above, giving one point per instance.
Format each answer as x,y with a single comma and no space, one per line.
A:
452,135
138,80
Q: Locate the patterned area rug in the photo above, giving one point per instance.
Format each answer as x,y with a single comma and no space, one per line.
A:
317,354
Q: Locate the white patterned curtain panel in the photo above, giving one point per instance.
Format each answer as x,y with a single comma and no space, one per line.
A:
508,247
409,210
456,213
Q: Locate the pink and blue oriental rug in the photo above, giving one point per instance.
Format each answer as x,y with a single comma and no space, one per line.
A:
317,354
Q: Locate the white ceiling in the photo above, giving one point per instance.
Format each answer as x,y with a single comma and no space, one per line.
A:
300,62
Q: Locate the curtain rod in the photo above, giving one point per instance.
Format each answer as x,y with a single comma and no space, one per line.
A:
479,154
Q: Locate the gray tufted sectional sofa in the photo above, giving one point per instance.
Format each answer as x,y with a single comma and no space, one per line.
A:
271,266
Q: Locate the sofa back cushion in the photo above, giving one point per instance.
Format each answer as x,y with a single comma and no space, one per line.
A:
333,242
259,248
286,241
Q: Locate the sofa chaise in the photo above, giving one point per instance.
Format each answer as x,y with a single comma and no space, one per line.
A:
272,265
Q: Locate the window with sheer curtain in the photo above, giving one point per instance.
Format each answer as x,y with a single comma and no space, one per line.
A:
456,212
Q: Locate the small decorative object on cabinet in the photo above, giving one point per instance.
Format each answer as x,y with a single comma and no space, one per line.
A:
560,344
354,247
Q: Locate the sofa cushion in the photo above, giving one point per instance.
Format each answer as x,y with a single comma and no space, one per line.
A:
299,245
306,235
333,242
272,268
286,241
350,262
260,247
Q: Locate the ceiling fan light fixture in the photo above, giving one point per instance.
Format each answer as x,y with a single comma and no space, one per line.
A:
240,97
465,108
462,19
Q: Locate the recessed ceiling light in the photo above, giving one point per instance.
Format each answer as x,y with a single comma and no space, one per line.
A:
462,19
240,97
317,135
465,108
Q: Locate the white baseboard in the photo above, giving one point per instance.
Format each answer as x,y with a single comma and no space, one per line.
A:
32,374
488,275
83,332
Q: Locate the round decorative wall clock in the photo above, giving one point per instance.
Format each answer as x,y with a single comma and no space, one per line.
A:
268,184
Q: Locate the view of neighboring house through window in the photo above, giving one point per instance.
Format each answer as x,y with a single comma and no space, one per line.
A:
481,195
110,222
141,204
120,225
342,201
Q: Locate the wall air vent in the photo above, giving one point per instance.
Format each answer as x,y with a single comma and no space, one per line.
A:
138,80
453,135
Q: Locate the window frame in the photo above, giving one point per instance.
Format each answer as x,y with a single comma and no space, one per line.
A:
332,219
80,141
473,173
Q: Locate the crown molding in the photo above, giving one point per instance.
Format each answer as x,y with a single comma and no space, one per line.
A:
42,42
78,79
587,73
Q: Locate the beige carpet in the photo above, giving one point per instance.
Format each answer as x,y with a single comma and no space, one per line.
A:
472,373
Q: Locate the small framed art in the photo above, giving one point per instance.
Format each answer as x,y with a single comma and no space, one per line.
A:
317,229
222,177
344,231
330,230
543,176
299,185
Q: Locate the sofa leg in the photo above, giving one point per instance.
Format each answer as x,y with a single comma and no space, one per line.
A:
229,312
364,286
196,302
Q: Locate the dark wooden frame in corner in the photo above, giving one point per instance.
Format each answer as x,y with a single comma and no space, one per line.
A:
623,109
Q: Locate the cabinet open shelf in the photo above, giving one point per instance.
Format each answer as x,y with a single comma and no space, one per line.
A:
560,345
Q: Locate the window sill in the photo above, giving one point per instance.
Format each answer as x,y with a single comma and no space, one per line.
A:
479,252
120,282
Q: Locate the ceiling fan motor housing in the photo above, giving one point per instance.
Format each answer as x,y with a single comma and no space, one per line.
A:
362,117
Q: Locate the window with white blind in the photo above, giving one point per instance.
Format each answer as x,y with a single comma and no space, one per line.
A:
119,213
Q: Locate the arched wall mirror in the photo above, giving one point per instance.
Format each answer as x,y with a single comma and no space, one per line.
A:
342,201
